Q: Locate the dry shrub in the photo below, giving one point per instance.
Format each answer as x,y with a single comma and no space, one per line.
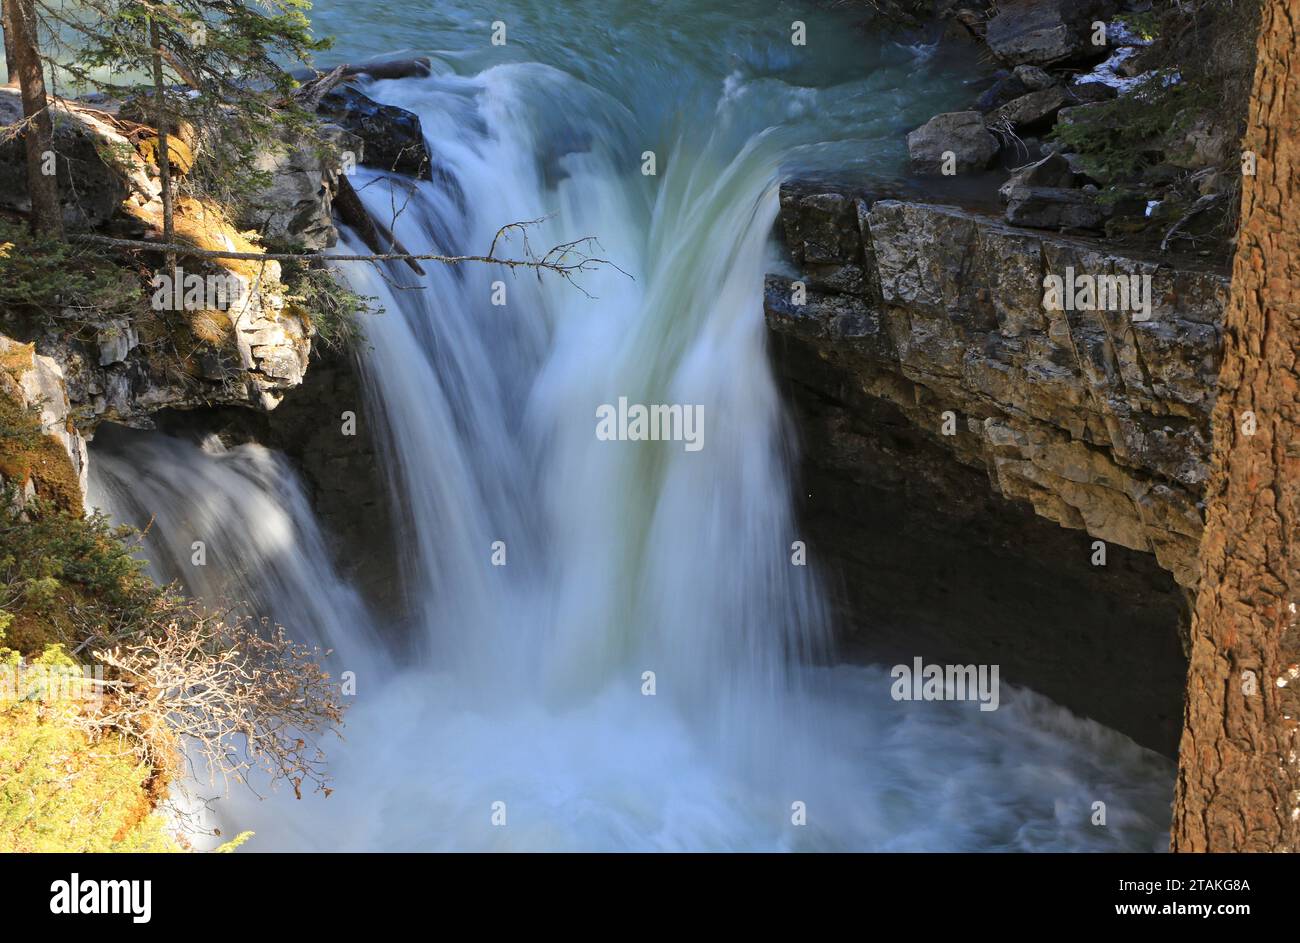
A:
237,693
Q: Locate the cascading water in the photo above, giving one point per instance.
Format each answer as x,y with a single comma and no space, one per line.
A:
525,683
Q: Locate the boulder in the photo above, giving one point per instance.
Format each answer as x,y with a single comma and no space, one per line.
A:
393,138
1054,208
1073,113
962,133
296,207
1033,77
1005,88
1043,32
90,189
1076,163
1050,171
1034,110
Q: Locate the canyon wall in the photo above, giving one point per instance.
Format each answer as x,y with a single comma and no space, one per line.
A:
970,453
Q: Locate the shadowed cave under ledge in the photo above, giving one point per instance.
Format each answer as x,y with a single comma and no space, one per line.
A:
922,558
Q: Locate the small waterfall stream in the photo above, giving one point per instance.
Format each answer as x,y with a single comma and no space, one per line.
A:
526,683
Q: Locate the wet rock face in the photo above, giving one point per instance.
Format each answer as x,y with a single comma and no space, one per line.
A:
1098,421
393,137
326,430
921,556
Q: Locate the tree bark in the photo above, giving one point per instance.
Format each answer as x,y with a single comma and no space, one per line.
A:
1239,762
11,75
43,189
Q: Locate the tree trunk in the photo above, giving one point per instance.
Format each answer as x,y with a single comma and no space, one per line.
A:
1239,769
43,188
11,74
162,120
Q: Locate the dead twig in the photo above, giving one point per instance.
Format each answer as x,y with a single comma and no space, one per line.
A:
1200,206
566,259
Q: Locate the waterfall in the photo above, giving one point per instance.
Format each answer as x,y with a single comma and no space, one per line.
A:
647,669
231,525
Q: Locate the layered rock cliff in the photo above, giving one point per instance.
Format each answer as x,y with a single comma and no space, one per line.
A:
85,361
1096,419
950,420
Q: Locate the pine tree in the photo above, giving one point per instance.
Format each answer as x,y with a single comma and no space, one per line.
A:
210,66
21,46
1239,777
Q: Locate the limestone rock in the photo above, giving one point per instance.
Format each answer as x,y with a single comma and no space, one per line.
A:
51,461
296,207
962,133
116,339
1098,421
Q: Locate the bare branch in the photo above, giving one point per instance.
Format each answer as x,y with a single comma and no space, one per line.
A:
566,259
1202,204
241,694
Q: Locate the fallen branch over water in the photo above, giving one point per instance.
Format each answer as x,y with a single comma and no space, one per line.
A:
566,259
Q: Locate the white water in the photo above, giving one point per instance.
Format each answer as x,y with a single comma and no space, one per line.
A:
524,684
